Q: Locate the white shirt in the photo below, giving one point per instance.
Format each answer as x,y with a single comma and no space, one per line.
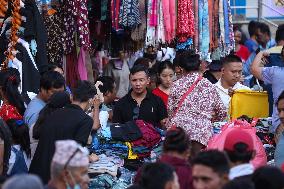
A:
224,93
241,170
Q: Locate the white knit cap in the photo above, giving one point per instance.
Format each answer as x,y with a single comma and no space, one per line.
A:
70,153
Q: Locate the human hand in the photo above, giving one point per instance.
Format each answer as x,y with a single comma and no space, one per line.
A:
96,102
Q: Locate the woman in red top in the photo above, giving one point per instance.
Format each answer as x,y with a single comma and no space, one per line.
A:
165,80
240,50
13,106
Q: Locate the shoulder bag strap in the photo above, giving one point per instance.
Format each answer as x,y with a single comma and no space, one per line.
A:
187,93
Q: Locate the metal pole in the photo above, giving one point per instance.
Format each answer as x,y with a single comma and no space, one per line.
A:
259,15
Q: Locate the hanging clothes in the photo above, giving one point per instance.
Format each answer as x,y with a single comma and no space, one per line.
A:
129,15
185,20
54,27
151,31
72,74
169,12
204,36
161,28
215,22
82,65
138,34
153,14
115,8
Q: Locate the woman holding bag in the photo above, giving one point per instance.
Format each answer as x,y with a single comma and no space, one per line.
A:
194,103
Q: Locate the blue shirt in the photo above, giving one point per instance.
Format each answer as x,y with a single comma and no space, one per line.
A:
32,111
251,45
274,76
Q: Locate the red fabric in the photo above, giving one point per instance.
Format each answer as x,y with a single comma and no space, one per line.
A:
243,53
72,74
185,20
182,169
9,112
150,137
158,92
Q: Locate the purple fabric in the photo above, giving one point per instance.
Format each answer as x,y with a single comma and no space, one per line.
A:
82,65
274,76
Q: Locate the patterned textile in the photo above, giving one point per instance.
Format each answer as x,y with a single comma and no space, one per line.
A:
54,26
196,27
129,13
9,112
115,5
203,29
104,7
215,26
185,20
201,107
151,31
69,29
138,34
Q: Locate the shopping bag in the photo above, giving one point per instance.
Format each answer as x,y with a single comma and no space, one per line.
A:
249,103
217,141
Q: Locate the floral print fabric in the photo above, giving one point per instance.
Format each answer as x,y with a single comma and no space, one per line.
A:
201,107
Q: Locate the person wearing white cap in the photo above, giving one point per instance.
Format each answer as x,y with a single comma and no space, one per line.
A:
69,166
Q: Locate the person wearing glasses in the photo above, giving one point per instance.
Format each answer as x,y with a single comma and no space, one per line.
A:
70,122
69,166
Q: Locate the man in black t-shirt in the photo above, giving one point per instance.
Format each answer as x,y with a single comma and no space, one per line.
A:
139,103
70,122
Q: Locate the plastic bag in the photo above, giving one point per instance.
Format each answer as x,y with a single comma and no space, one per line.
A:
217,141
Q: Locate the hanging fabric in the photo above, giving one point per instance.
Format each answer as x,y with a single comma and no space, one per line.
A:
160,27
169,12
185,20
204,35
139,33
129,15
151,31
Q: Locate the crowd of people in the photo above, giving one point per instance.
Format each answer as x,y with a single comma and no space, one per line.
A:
46,139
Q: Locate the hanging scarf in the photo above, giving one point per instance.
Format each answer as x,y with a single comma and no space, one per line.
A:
215,22
138,34
185,20
161,28
151,31
115,4
204,35
129,15
196,20
226,22
169,12
153,14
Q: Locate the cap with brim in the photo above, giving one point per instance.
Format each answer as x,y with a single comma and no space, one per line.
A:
236,136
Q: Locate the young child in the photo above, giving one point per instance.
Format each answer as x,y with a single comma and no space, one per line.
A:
19,161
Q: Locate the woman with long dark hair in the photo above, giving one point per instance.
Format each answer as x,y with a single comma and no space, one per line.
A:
5,148
20,158
13,105
165,80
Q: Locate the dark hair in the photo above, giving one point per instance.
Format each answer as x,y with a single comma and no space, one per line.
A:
135,186
240,153
143,61
108,84
239,184
156,175
252,28
164,65
176,140
264,28
49,67
56,101
189,62
10,81
279,33
51,79
6,136
268,177
139,68
214,159
230,58
20,134
281,97
84,91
